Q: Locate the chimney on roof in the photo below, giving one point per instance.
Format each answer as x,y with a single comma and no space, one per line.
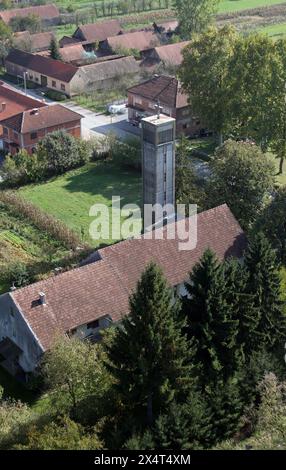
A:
35,111
3,107
42,298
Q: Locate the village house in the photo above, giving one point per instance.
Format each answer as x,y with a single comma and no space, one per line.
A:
68,78
33,42
95,33
144,98
46,72
138,41
49,14
84,300
168,56
26,129
13,103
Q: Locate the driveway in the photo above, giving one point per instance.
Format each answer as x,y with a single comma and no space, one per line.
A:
98,125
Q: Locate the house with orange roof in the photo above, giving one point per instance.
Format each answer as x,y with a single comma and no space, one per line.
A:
83,301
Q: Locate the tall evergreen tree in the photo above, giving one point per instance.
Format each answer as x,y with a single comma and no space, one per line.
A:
149,357
54,50
242,304
210,320
264,284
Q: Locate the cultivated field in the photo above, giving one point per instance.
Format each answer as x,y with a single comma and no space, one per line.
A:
23,243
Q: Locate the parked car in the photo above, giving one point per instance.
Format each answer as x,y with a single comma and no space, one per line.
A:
117,108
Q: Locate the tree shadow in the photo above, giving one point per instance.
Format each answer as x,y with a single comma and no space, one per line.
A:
106,179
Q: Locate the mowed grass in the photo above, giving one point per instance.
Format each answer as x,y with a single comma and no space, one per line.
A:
70,197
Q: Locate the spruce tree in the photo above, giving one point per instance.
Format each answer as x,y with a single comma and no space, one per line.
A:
149,357
242,304
210,319
264,284
54,50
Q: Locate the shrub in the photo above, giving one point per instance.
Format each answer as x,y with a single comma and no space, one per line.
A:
61,151
126,153
55,95
22,168
18,275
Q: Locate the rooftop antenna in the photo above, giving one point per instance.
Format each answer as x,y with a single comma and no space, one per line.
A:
158,108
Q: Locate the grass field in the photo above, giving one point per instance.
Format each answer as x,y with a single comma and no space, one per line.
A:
224,5
237,5
276,31
70,197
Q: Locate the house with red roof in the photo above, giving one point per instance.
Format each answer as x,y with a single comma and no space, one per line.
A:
86,299
46,72
12,103
49,14
166,91
25,129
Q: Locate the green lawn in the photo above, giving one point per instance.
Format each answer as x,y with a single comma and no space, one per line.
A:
276,31
236,5
70,197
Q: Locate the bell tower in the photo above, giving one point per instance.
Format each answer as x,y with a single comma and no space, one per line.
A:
158,160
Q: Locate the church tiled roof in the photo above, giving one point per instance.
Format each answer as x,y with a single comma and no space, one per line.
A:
103,287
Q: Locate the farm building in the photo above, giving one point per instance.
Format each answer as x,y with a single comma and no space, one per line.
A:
105,74
138,41
92,33
33,42
46,72
49,14
168,55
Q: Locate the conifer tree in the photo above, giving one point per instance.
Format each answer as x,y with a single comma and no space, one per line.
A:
149,357
264,284
242,305
210,319
54,50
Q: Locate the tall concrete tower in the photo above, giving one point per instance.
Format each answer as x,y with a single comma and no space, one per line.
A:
158,161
